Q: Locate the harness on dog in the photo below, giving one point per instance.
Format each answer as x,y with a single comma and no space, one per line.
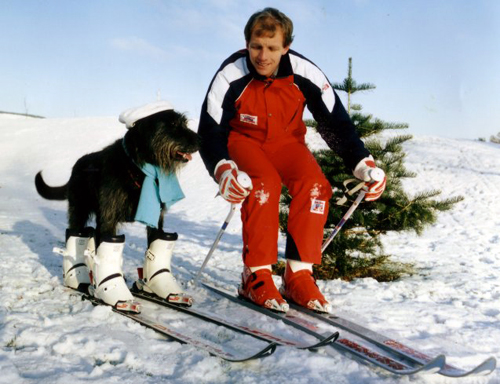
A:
157,188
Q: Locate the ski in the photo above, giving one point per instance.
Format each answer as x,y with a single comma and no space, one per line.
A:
387,362
252,331
393,346
366,352
198,342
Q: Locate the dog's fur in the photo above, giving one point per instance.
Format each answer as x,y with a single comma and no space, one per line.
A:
107,184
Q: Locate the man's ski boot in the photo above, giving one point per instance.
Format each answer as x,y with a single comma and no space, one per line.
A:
75,270
108,283
259,288
156,276
300,287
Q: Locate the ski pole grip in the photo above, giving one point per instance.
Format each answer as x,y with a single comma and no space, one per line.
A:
377,174
244,180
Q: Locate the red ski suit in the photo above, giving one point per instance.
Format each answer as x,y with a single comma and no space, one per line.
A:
258,123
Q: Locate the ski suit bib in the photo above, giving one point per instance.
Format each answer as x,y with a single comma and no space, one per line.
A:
258,123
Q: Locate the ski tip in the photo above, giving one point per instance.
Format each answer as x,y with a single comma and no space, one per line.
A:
435,365
334,337
488,366
326,341
269,350
483,369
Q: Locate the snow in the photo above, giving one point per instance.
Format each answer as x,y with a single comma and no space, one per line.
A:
48,335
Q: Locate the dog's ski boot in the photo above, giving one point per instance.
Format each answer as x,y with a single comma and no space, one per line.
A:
75,270
108,283
156,276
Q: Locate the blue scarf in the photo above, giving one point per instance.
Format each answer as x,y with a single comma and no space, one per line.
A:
156,189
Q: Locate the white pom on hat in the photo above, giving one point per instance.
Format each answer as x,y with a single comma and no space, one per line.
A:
132,115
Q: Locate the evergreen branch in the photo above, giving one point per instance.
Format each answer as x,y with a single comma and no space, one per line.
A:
394,144
392,126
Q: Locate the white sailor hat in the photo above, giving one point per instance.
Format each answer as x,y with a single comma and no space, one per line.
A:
130,116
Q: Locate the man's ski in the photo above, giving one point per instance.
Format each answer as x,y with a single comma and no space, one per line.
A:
252,331
206,345
393,346
386,360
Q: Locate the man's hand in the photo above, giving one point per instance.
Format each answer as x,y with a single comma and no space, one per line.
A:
234,185
374,178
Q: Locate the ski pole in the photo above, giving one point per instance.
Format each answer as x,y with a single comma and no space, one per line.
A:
245,182
216,242
376,175
342,221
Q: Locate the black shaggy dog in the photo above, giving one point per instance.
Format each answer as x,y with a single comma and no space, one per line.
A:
107,184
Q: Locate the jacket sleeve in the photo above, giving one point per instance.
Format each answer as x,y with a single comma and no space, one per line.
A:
218,109
334,124
213,139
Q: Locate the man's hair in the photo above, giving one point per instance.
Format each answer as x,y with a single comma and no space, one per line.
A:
266,21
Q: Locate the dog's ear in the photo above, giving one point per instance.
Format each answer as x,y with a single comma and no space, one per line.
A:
136,145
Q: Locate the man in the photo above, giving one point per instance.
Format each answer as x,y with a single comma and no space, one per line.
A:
252,123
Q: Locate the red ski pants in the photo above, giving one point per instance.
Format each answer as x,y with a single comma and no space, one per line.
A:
269,166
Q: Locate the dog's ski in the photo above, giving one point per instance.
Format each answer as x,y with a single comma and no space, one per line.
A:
201,343
219,320
393,346
366,351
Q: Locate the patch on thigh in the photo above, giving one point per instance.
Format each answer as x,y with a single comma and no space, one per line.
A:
318,206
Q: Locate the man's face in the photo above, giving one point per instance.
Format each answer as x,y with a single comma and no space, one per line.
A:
266,51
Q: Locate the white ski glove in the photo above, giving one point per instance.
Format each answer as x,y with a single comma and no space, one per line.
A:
234,185
374,178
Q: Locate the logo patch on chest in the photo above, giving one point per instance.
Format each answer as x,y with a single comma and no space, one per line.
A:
249,119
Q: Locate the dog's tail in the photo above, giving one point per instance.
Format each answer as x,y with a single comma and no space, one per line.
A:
48,192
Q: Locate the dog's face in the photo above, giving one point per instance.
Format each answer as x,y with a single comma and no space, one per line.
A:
163,139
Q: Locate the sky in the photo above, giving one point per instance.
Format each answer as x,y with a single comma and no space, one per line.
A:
435,63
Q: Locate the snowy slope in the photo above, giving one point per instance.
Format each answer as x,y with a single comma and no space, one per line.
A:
48,335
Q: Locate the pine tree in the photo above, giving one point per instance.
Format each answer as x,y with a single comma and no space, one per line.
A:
357,249
350,86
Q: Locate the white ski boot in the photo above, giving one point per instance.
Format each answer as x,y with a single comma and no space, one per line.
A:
156,276
75,270
108,283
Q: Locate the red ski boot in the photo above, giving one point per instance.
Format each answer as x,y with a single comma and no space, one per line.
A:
259,287
300,287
